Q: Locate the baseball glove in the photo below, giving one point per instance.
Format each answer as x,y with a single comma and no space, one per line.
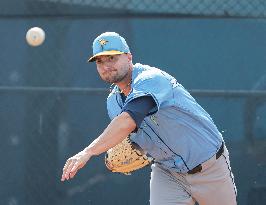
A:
126,157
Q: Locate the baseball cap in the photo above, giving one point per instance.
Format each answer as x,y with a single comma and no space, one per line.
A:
108,43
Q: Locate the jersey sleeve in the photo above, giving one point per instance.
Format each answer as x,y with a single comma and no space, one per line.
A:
139,108
156,85
114,106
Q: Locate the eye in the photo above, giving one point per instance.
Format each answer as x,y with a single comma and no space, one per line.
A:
98,61
111,58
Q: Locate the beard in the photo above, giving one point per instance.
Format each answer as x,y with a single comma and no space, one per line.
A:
114,76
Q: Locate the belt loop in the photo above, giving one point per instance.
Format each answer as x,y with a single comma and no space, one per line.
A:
199,167
220,151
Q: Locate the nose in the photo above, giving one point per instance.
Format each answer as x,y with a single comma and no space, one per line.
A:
106,67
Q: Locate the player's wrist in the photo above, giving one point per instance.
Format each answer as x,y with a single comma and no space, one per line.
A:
88,152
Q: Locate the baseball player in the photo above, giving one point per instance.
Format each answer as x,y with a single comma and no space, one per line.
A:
191,162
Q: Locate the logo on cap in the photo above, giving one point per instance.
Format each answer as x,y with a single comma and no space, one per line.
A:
103,42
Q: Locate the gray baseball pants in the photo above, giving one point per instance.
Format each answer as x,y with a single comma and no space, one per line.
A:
214,185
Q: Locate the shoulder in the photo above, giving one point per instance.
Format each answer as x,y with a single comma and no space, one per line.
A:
114,104
148,74
112,97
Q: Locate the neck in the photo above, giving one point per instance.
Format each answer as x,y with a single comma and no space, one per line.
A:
125,84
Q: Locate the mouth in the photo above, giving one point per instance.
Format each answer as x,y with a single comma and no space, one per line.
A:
108,75
109,72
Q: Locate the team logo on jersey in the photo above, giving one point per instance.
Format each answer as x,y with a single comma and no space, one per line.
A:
103,42
154,119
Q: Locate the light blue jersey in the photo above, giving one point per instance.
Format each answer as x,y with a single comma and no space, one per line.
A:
181,134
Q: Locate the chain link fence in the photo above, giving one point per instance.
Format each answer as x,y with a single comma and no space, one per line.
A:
204,8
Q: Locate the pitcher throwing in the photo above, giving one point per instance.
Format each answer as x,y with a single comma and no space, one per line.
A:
191,161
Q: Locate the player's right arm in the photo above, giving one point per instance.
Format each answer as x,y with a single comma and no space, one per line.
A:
119,128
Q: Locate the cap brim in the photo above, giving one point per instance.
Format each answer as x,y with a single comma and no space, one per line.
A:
104,53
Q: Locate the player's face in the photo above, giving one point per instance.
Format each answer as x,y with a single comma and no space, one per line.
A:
113,68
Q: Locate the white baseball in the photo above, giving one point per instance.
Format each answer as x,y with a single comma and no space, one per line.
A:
35,36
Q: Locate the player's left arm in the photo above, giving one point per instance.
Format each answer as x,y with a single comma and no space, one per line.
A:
119,128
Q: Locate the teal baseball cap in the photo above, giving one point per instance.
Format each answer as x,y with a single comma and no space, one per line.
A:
108,43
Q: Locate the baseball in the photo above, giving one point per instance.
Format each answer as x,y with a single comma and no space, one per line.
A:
35,36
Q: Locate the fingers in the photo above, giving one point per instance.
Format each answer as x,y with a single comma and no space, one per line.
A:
68,169
68,162
73,173
74,167
65,169
73,164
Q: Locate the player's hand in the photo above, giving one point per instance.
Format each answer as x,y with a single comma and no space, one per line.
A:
73,164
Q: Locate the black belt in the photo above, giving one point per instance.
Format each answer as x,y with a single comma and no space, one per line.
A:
199,167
